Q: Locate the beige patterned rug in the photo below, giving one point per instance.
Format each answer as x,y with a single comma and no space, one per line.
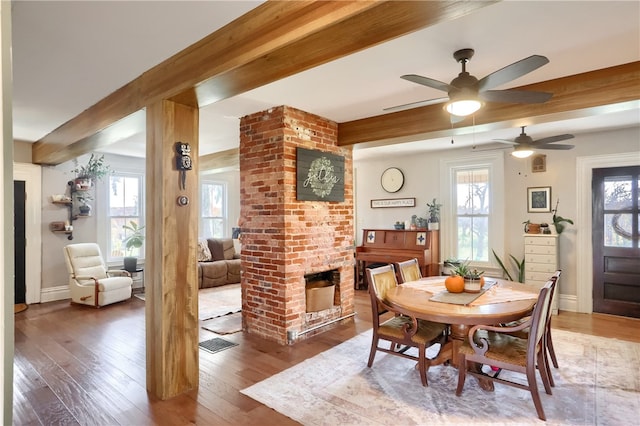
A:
218,301
598,383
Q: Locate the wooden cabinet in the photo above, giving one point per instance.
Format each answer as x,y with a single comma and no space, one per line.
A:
541,261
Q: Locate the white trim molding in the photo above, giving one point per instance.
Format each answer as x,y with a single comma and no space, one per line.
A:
584,199
52,294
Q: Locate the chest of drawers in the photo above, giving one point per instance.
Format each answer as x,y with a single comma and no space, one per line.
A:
541,261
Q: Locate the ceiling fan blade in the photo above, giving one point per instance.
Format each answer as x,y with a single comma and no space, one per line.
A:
550,139
512,72
505,141
476,149
416,104
559,147
425,81
515,96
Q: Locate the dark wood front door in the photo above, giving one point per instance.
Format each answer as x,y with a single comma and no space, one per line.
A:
19,197
616,241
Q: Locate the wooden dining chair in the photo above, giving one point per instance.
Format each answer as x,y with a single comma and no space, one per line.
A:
402,330
495,346
409,270
548,341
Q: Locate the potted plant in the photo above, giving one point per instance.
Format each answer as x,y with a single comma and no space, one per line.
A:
94,169
473,279
559,221
84,208
433,210
133,240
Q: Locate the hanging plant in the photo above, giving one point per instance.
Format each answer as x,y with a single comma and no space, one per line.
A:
95,168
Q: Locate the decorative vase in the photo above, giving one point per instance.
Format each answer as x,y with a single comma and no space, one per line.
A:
472,285
433,226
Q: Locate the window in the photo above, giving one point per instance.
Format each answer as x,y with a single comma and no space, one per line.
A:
473,201
471,189
126,204
213,209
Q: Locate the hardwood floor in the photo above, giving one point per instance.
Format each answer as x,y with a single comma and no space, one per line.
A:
77,365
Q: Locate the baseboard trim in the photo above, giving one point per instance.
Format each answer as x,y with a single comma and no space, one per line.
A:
568,303
52,294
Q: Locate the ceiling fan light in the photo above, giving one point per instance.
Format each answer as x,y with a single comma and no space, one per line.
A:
463,107
522,152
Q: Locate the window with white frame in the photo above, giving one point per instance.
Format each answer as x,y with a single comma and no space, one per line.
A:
213,209
473,201
125,205
472,194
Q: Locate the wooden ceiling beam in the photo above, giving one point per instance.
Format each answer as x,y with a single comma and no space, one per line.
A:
220,161
270,42
581,92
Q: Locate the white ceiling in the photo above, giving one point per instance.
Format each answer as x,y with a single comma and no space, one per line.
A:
69,55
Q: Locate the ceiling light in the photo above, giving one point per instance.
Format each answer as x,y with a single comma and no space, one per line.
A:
522,152
463,107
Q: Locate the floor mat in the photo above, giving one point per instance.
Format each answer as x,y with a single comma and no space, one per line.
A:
216,345
226,324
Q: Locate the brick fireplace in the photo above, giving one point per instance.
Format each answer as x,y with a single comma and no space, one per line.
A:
285,239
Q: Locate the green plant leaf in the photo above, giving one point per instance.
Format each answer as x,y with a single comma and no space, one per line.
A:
504,269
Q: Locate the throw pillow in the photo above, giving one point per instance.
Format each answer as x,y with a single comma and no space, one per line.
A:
204,254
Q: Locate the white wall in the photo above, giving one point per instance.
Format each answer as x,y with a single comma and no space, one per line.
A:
422,181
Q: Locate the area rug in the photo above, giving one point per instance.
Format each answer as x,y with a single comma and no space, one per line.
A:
218,301
216,345
227,324
597,384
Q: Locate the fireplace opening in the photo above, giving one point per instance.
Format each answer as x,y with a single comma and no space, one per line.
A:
320,290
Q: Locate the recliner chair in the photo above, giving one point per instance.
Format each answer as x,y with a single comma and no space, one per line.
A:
90,282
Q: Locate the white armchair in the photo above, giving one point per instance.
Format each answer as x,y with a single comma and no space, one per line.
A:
90,282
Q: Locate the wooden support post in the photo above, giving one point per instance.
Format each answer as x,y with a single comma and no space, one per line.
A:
170,257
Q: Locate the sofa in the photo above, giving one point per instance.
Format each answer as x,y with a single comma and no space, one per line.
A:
218,263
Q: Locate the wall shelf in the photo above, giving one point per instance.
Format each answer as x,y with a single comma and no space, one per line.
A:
55,226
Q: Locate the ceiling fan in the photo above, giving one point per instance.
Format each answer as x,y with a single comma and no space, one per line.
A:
466,93
525,145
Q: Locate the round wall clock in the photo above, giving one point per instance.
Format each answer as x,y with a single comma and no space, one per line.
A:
392,179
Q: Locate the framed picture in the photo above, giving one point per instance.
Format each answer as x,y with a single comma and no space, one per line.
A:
393,202
539,199
319,176
539,163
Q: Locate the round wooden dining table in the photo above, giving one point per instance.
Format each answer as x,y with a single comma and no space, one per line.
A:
413,298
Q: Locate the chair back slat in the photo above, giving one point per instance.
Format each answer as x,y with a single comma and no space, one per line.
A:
540,316
380,279
409,270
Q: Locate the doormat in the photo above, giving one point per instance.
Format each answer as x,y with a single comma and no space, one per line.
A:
227,324
216,345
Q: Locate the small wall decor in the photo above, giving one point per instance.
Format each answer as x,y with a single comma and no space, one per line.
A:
539,163
183,162
539,199
319,176
393,202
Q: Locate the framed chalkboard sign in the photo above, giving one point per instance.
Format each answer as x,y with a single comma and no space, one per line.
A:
319,176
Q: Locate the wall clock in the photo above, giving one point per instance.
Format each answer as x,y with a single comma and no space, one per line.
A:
392,179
